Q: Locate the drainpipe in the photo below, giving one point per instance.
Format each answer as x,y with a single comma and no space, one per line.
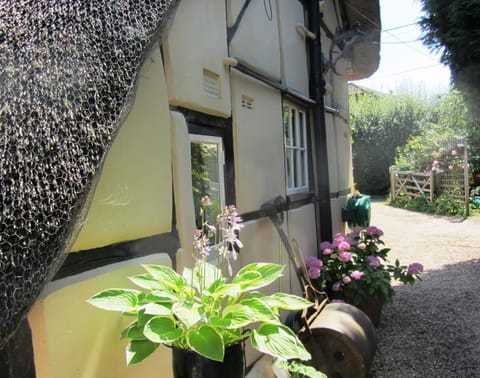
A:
317,85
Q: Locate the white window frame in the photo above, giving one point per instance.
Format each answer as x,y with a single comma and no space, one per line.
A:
296,148
218,141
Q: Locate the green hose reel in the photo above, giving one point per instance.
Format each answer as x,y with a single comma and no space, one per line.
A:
357,211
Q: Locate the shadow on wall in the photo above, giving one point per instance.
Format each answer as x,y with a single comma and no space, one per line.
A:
432,329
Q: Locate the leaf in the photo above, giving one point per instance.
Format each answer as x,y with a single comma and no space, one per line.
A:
231,289
233,317
187,312
207,342
146,281
166,276
162,329
157,309
279,341
138,350
162,296
286,301
124,300
269,272
259,311
247,279
133,332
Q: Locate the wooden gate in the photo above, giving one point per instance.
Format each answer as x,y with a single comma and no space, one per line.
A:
412,184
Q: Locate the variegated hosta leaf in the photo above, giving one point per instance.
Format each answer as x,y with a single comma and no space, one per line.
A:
279,341
138,350
187,312
124,300
162,329
286,301
207,342
146,281
167,276
260,311
268,273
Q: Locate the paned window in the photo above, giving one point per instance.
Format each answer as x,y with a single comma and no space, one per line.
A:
296,151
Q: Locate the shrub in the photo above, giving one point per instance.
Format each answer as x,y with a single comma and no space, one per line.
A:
379,126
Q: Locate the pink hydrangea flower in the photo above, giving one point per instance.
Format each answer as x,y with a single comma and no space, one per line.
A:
346,279
373,261
327,251
356,275
345,256
415,268
343,246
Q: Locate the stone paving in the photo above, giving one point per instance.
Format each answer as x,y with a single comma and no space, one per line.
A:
433,327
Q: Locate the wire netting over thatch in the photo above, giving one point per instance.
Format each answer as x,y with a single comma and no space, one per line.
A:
68,69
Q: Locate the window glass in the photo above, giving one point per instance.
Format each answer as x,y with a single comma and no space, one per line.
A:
207,175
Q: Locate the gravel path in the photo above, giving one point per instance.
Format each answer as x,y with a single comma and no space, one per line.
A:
433,327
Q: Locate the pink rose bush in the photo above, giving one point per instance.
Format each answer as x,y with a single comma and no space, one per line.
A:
355,268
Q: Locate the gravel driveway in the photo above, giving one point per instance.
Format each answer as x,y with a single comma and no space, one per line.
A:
433,327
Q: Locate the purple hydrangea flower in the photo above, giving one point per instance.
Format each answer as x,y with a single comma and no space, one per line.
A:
374,231
415,268
374,261
314,272
313,261
336,287
325,245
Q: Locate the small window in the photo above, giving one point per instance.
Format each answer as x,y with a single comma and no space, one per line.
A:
296,151
207,159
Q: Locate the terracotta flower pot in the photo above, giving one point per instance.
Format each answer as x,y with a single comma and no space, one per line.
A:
188,364
373,310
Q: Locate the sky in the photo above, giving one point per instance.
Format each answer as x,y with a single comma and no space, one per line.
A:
405,63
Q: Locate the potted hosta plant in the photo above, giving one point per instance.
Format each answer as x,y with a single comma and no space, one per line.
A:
202,315
354,268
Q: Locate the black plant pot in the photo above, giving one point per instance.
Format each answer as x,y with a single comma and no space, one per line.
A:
188,364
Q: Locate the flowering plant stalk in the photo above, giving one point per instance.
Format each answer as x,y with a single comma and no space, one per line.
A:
200,310
354,268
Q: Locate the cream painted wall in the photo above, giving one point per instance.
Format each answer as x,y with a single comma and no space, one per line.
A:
333,170
262,244
133,198
197,41
258,143
292,46
301,227
337,224
72,339
256,41
182,185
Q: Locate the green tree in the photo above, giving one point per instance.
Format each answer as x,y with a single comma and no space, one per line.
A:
380,124
446,123
451,26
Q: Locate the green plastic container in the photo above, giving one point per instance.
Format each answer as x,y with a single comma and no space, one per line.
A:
359,206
